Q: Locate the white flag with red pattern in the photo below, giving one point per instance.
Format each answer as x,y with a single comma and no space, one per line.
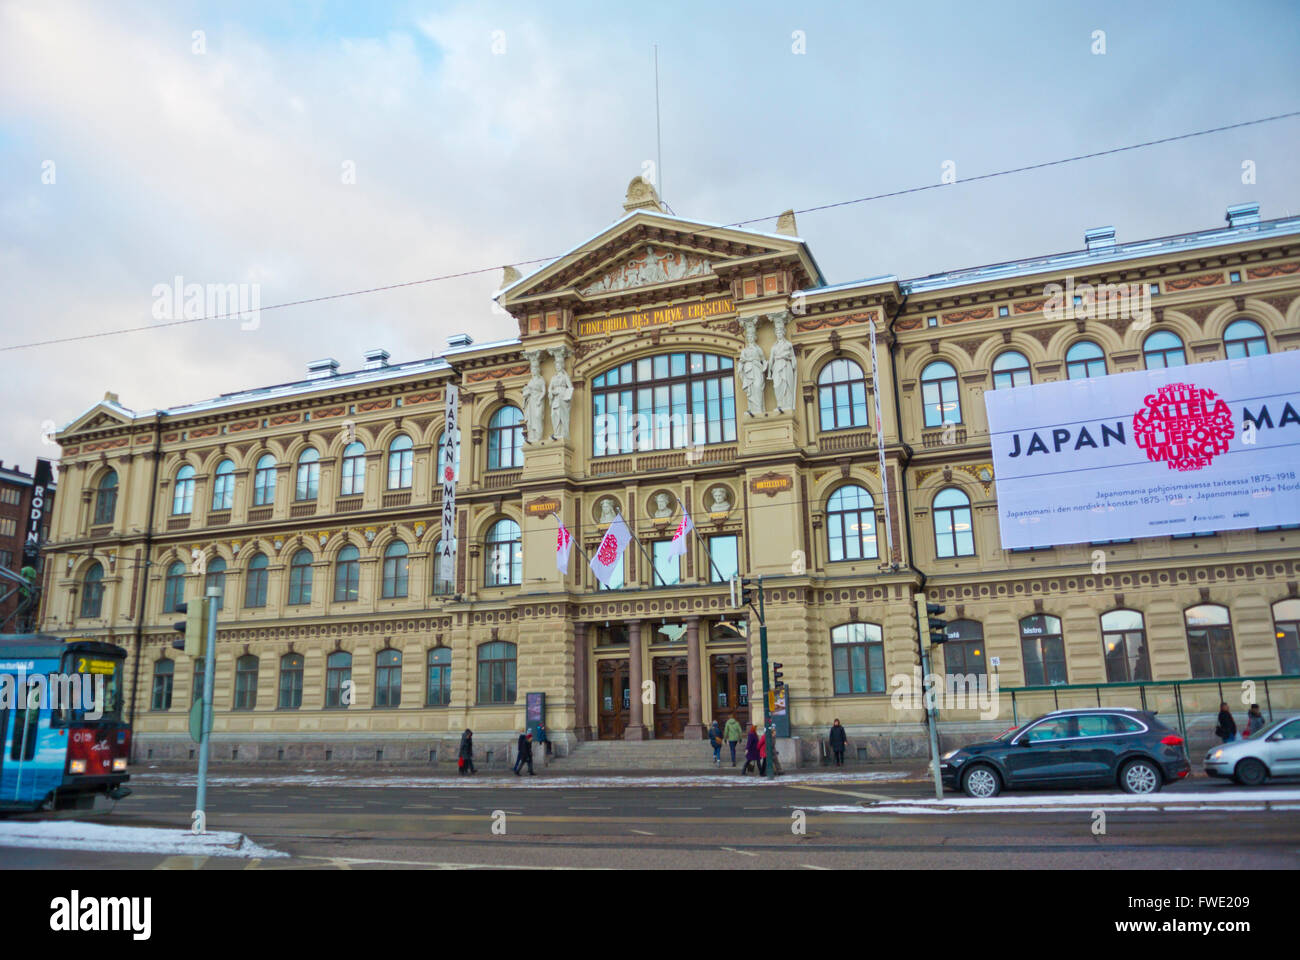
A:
678,546
563,547
611,548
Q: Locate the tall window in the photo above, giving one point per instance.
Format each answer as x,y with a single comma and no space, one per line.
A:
1085,360
668,566
442,455
963,653
659,403
1209,641
1286,627
338,679
1011,369
1043,650
106,498
395,561
858,658
939,394
439,677
264,481
353,476
400,459
183,494
1163,348
1244,338
255,587
347,574
441,586
246,682
92,591
851,524
724,551
496,673
1124,645
215,576
616,575
164,672
174,587
954,535
842,395
506,439
307,486
505,555
300,578
388,678
291,681
223,486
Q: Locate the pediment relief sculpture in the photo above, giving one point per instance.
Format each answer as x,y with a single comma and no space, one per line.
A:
651,265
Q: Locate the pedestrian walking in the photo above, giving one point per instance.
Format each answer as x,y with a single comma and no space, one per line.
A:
732,733
465,755
762,754
1254,720
715,741
544,743
751,751
838,738
525,753
1227,727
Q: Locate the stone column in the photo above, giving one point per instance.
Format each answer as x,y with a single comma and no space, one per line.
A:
694,725
636,723
581,725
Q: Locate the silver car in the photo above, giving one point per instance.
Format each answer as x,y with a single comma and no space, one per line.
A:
1271,752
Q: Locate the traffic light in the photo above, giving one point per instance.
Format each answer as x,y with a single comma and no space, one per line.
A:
742,592
194,627
928,623
777,682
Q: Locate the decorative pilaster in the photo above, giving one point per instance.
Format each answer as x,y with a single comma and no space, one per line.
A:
636,721
694,724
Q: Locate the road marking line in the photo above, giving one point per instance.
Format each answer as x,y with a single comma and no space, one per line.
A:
185,862
253,864
846,793
813,867
644,833
743,853
470,809
344,864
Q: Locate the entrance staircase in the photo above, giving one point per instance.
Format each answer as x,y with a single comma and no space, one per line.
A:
633,756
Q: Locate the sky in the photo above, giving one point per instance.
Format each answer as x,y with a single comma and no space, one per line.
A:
309,149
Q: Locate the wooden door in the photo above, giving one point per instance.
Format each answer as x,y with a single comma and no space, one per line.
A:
730,678
613,698
672,697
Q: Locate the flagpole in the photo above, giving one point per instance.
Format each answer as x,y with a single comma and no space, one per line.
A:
573,540
656,573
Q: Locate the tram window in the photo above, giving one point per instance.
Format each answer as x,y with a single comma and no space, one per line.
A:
26,726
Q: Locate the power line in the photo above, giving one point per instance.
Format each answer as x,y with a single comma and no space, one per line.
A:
739,223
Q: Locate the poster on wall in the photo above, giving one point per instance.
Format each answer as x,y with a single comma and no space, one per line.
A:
447,549
1192,449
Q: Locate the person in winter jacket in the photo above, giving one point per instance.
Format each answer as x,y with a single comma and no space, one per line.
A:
732,734
465,755
1227,728
762,756
1254,720
525,753
838,738
751,750
715,741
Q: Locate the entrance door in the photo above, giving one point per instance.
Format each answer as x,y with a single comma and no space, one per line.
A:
672,697
730,688
613,698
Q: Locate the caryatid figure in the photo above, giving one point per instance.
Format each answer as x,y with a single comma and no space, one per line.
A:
561,397
781,367
534,398
753,369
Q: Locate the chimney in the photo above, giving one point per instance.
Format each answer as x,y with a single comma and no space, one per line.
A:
785,224
376,359
459,340
1241,214
1099,238
328,367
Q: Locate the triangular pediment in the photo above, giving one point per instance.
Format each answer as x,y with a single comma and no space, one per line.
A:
101,416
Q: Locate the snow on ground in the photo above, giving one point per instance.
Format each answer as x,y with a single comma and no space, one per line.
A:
74,835
1217,800
541,781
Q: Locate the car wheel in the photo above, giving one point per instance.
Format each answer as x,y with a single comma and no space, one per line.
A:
1140,776
981,782
1250,773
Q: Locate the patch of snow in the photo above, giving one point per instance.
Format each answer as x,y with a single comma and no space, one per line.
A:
1219,800
75,835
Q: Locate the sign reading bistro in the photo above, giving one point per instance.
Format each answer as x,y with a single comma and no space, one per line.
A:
636,320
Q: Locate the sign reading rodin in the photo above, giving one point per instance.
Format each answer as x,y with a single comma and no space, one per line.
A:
1193,449
636,320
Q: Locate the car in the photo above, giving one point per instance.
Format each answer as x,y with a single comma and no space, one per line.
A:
1092,747
1272,751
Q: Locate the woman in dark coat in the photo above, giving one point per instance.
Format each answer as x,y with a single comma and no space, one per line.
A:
1227,728
751,750
466,752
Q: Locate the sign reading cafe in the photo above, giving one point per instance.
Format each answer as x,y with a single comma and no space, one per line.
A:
1194,449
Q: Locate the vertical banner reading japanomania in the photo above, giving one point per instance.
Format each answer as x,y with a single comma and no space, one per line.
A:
451,440
880,443
1192,449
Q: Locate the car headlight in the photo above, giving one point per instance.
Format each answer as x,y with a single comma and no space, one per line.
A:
1217,753
119,764
76,766
950,754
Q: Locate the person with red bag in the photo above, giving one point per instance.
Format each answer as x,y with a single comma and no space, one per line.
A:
465,755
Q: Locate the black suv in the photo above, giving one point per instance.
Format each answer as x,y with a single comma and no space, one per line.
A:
1101,746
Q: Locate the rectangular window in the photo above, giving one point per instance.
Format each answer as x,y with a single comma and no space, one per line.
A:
724,553
668,569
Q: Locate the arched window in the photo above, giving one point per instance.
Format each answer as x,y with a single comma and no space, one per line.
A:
439,677
174,587
353,475
164,672
1042,649
1164,348
505,555
954,534
388,678
665,402
400,459
347,574
92,592
1011,369
1244,338
1209,641
183,493
1124,645
496,673
1286,627
300,578
442,455
842,395
939,394
506,439
264,481
223,486
308,480
858,658
246,682
395,568
255,587
106,498
851,524
1085,360
963,653
338,679
291,681
441,586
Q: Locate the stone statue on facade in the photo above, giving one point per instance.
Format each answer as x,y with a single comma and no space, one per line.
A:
781,365
534,398
721,502
663,506
753,368
561,396
608,506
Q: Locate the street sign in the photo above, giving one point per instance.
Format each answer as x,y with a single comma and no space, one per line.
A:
196,720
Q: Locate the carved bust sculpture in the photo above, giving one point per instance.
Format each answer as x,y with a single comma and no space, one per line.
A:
663,506
608,506
721,502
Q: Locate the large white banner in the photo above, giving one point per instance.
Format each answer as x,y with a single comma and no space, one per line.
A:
1211,446
451,427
